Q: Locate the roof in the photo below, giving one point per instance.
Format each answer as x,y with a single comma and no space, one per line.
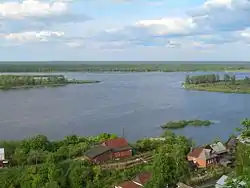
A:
201,153
96,151
206,154
128,184
195,152
143,178
122,149
182,185
116,143
222,180
218,148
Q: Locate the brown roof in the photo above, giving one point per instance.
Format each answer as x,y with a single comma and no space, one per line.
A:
143,178
116,143
196,152
128,184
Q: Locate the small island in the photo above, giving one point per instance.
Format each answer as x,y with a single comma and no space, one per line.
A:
214,83
34,81
184,123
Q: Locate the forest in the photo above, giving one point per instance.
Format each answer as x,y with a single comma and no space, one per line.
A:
26,81
121,66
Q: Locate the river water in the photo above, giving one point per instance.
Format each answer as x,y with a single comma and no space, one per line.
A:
137,102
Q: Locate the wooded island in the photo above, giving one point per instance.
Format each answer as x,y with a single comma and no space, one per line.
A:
214,83
184,123
32,81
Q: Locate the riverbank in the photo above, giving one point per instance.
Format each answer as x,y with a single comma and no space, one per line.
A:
36,81
184,123
226,87
123,67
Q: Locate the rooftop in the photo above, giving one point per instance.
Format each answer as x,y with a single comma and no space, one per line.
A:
96,151
218,147
116,143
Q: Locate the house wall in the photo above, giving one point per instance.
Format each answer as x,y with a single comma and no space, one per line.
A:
200,162
102,158
122,154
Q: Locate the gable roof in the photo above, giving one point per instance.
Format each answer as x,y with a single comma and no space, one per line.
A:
116,143
96,151
218,147
201,153
143,178
195,152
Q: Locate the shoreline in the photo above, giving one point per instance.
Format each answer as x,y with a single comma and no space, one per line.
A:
77,82
213,89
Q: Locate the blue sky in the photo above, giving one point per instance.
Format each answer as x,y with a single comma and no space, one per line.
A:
163,30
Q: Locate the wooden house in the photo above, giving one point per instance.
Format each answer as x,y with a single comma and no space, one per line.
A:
99,154
120,147
202,157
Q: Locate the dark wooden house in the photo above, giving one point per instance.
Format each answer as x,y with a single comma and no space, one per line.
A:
119,146
99,154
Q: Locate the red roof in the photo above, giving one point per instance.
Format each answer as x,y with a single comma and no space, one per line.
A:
143,178
116,143
195,152
129,184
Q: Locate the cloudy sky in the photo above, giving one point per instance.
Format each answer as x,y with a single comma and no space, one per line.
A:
125,30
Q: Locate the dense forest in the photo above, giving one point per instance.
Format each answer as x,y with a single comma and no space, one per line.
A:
128,67
15,81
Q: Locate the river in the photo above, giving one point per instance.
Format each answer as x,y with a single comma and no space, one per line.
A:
137,102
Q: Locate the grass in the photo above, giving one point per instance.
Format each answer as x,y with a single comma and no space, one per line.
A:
184,123
226,87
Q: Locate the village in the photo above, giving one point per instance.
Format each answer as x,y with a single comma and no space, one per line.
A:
117,153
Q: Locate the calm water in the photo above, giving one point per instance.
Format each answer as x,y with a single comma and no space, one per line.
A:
137,102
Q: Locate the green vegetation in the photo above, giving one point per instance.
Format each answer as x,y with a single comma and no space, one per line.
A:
38,162
184,123
28,81
120,66
212,82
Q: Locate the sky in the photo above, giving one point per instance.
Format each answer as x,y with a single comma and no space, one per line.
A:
125,30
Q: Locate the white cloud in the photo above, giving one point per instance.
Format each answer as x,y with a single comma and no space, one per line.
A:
169,25
30,8
32,36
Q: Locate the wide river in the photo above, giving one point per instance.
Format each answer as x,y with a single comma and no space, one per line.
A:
137,102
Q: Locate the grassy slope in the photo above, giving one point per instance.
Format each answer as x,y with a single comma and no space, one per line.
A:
239,87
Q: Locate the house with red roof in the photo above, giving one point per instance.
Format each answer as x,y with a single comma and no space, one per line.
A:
139,181
119,146
110,149
202,157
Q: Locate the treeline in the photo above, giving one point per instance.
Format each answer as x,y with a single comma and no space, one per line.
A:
38,162
9,81
118,66
213,78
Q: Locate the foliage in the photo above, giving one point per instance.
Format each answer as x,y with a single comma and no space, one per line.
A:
26,81
169,164
229,84
184,123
